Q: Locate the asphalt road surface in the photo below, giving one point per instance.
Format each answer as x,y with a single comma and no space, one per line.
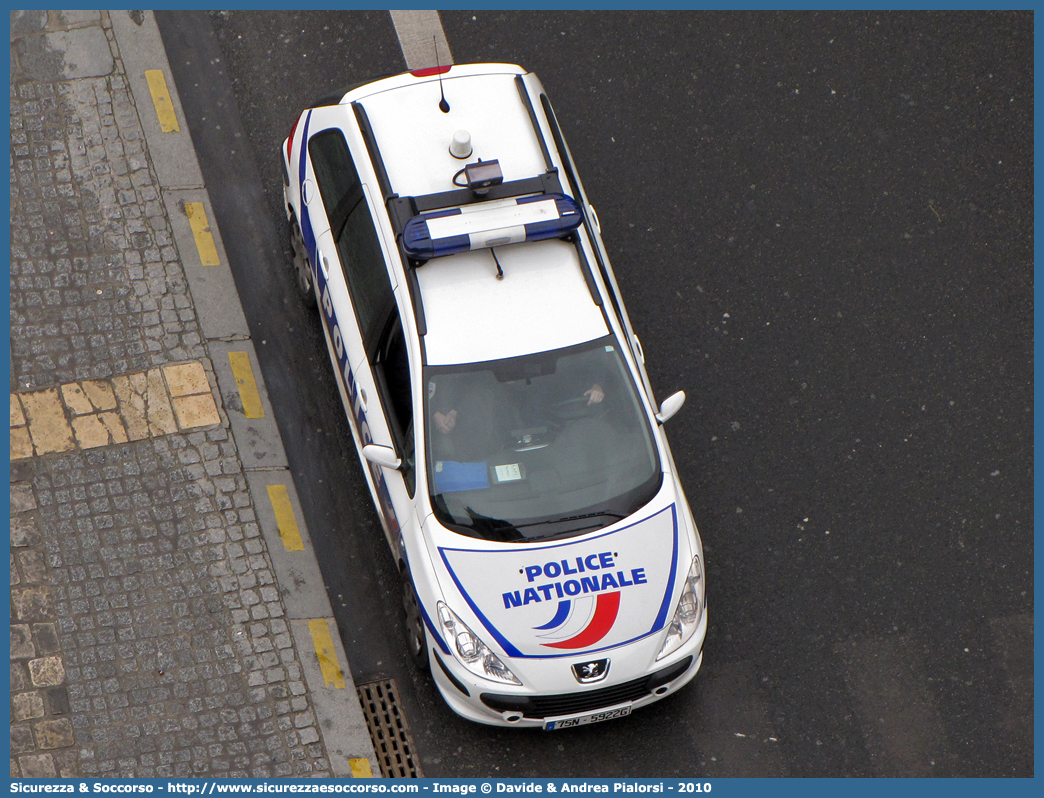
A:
822,227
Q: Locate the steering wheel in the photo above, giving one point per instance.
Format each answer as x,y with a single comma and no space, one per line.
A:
575,408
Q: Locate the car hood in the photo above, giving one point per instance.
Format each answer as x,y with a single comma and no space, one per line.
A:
578,596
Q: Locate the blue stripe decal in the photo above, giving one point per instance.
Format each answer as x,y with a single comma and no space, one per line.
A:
665,606
306,220
560,616
424,613
432,629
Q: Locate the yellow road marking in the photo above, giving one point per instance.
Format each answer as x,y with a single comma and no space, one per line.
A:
284,514
197,216
127,407
168,120
17,416
114,424
195,411
130,390
360,768
248,393
49,430
91,432
21,444
158,410
333,676
76,400
186,378
100,393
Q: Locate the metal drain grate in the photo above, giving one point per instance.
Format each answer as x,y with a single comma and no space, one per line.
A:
388,730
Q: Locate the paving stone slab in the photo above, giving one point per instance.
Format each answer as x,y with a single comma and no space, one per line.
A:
63,55
27,22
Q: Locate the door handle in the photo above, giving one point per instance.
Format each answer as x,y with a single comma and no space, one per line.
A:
324,264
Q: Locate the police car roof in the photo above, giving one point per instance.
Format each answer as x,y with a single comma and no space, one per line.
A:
414,134
543,301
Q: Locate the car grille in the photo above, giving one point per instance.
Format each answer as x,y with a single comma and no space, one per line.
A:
551,706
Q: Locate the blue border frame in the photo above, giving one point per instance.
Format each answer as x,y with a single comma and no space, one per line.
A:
512,651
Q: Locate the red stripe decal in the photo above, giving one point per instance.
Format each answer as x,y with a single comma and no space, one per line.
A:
604,618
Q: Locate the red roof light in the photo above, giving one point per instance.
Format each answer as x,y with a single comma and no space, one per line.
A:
425,73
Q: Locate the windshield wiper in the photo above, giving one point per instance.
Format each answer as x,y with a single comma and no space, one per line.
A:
573,529
617,516
496,529
566,518
492,528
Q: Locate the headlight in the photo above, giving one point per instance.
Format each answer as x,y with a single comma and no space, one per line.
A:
689,612
470,651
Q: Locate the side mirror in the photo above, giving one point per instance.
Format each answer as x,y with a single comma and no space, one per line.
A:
381,455
671,405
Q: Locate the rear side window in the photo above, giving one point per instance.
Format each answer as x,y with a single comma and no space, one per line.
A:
335,173
358,247
363,262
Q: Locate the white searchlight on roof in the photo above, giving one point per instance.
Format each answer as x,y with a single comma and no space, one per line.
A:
460,147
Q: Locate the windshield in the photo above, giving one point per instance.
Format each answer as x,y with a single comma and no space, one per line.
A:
546,445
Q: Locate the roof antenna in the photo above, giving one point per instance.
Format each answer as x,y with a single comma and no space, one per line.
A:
496,260
443,105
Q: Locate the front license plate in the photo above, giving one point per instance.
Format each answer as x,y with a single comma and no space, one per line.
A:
582,720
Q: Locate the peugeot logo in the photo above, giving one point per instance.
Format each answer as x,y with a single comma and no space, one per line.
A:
594,671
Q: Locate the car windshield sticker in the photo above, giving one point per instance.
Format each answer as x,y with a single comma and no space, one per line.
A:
508,473
577,597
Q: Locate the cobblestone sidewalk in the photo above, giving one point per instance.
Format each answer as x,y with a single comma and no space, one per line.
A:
149,635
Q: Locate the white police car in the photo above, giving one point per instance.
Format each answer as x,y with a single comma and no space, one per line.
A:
498,397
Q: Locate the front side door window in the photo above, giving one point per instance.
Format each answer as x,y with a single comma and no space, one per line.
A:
392,372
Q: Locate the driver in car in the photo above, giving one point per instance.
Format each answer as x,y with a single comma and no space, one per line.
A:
462,410
468,408
594,394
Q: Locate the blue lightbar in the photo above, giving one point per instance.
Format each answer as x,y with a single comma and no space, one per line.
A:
492,223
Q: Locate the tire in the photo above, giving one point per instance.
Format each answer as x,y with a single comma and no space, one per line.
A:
302,269
416,640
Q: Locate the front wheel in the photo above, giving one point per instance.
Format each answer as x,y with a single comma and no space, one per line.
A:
302,269
415,637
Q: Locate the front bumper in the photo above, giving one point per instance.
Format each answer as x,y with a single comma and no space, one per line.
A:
487,702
